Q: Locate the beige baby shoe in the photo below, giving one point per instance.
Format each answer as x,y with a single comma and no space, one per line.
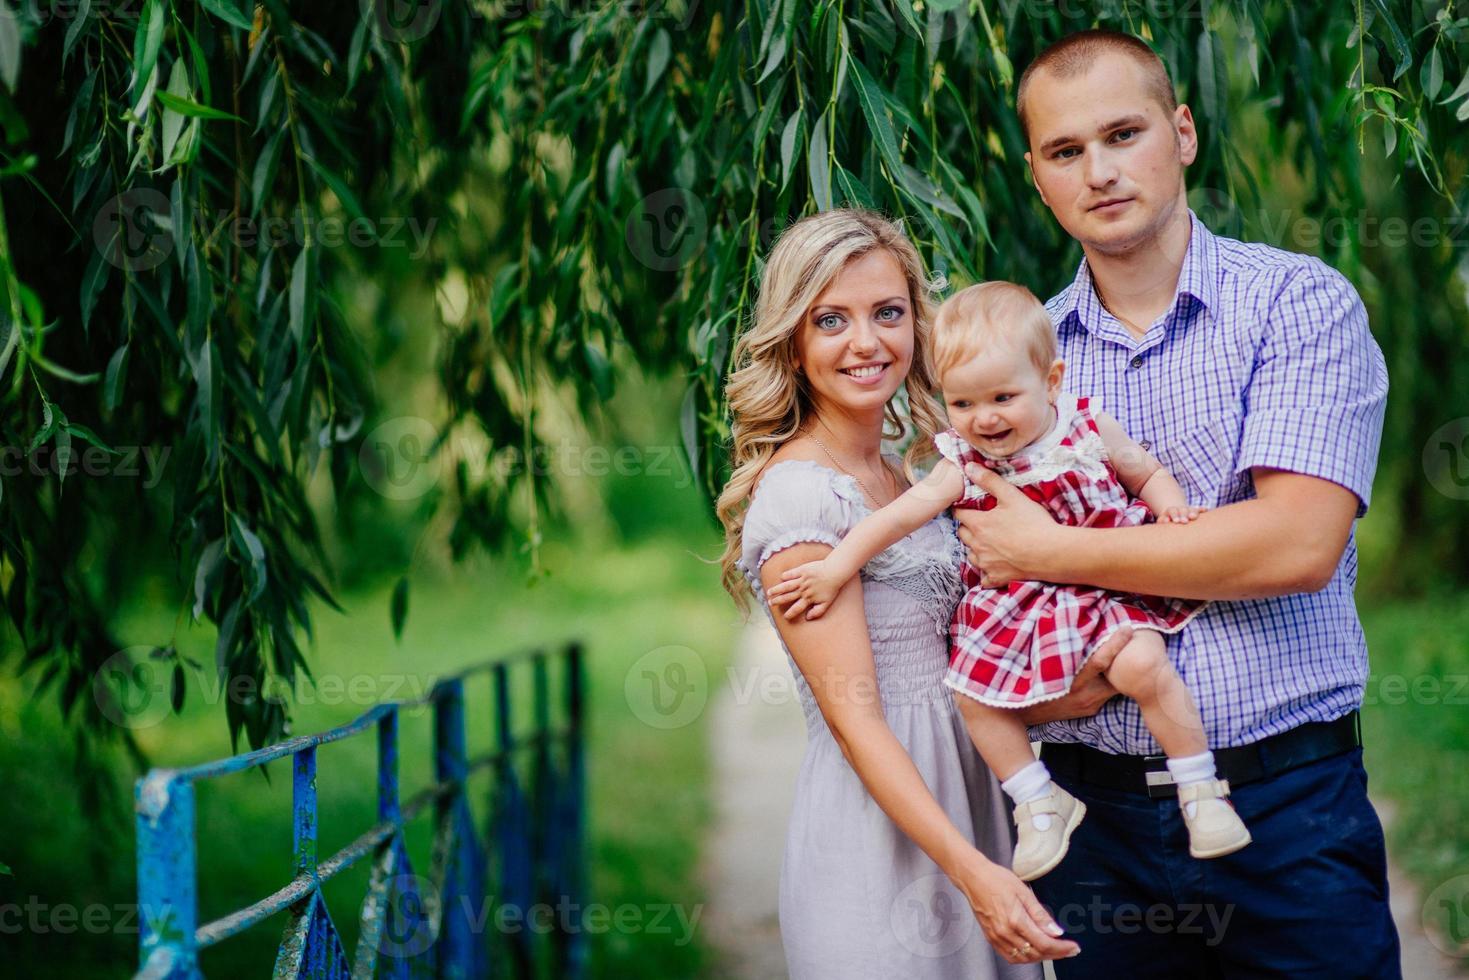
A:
1215,829
1038,851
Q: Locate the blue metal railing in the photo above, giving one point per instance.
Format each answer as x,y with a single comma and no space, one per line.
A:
411,926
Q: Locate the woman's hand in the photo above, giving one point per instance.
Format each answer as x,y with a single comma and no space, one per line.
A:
1004,543
1089,690
1014,921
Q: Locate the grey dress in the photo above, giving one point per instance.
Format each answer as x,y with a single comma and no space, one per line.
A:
857,897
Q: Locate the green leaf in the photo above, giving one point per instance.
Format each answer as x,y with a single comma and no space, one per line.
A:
658,54
65,374
9,48
339,187
94,280
146,44
1431,75
1459,92
300,286
777,55
87,435
5,869
818,166
246,540
905,7
116,375
1402,50
173,120
871,100
265,166
399,607
788,138
187,107
80,16
228,12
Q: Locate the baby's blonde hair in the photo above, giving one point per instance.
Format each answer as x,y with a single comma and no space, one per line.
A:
990,314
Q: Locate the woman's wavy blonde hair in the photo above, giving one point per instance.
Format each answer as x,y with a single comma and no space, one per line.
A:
768,400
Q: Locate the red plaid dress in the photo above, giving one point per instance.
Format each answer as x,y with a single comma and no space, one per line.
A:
1023,644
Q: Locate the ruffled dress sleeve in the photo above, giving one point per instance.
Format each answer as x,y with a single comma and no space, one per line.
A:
952,447
797,501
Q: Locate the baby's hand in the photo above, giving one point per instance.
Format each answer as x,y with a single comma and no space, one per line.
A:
809,587
1180,515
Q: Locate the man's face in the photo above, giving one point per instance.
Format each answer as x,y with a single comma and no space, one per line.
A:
1107,158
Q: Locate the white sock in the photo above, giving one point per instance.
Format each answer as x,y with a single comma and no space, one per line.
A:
1031,783
1192,769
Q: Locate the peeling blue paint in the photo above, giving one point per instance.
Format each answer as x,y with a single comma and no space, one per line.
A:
411,925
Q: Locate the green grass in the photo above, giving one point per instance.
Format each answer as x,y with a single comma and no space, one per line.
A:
1416,728
649,802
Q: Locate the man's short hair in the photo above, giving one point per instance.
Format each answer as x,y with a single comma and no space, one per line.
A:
1075,54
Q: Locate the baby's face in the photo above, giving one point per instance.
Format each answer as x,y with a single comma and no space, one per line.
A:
1000,402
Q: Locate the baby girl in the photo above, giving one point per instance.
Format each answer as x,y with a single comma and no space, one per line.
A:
995,357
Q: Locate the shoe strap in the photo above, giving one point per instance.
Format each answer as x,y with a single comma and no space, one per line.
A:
1046,804
1208,789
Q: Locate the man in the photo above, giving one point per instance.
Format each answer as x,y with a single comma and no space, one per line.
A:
1251,374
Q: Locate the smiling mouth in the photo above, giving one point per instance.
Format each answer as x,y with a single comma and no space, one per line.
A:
998,437
864,372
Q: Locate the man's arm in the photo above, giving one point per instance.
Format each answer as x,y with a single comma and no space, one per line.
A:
1288,539
1313,413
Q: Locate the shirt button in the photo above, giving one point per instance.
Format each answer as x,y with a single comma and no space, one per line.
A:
1137,362
1145,444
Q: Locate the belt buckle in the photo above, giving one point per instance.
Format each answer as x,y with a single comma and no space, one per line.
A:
1160,783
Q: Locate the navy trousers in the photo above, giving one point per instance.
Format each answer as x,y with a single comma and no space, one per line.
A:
1306,899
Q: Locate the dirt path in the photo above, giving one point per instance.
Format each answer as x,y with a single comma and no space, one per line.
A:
758,737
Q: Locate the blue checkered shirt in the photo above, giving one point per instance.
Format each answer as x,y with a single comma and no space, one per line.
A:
1264,359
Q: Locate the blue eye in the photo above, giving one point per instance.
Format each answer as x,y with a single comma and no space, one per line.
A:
829,321
1122,133
896,311
1066,153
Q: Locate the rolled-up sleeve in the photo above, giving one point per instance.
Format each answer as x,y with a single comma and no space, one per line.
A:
1318,392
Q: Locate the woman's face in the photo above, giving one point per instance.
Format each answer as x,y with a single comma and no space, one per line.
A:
856,343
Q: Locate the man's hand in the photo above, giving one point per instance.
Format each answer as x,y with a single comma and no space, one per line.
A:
1005,542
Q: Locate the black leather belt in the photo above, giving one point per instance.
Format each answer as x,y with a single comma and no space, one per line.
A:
1241,764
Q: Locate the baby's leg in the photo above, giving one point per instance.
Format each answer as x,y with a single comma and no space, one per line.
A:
998,734
1041,841
1002,741
1142,672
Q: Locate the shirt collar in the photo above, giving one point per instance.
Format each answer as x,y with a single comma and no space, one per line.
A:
1198,278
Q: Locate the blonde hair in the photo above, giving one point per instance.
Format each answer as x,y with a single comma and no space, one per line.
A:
992,314
768,400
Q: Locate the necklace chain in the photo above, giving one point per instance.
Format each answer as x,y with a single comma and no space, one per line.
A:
837,463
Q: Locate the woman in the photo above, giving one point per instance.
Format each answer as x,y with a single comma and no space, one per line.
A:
896,821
